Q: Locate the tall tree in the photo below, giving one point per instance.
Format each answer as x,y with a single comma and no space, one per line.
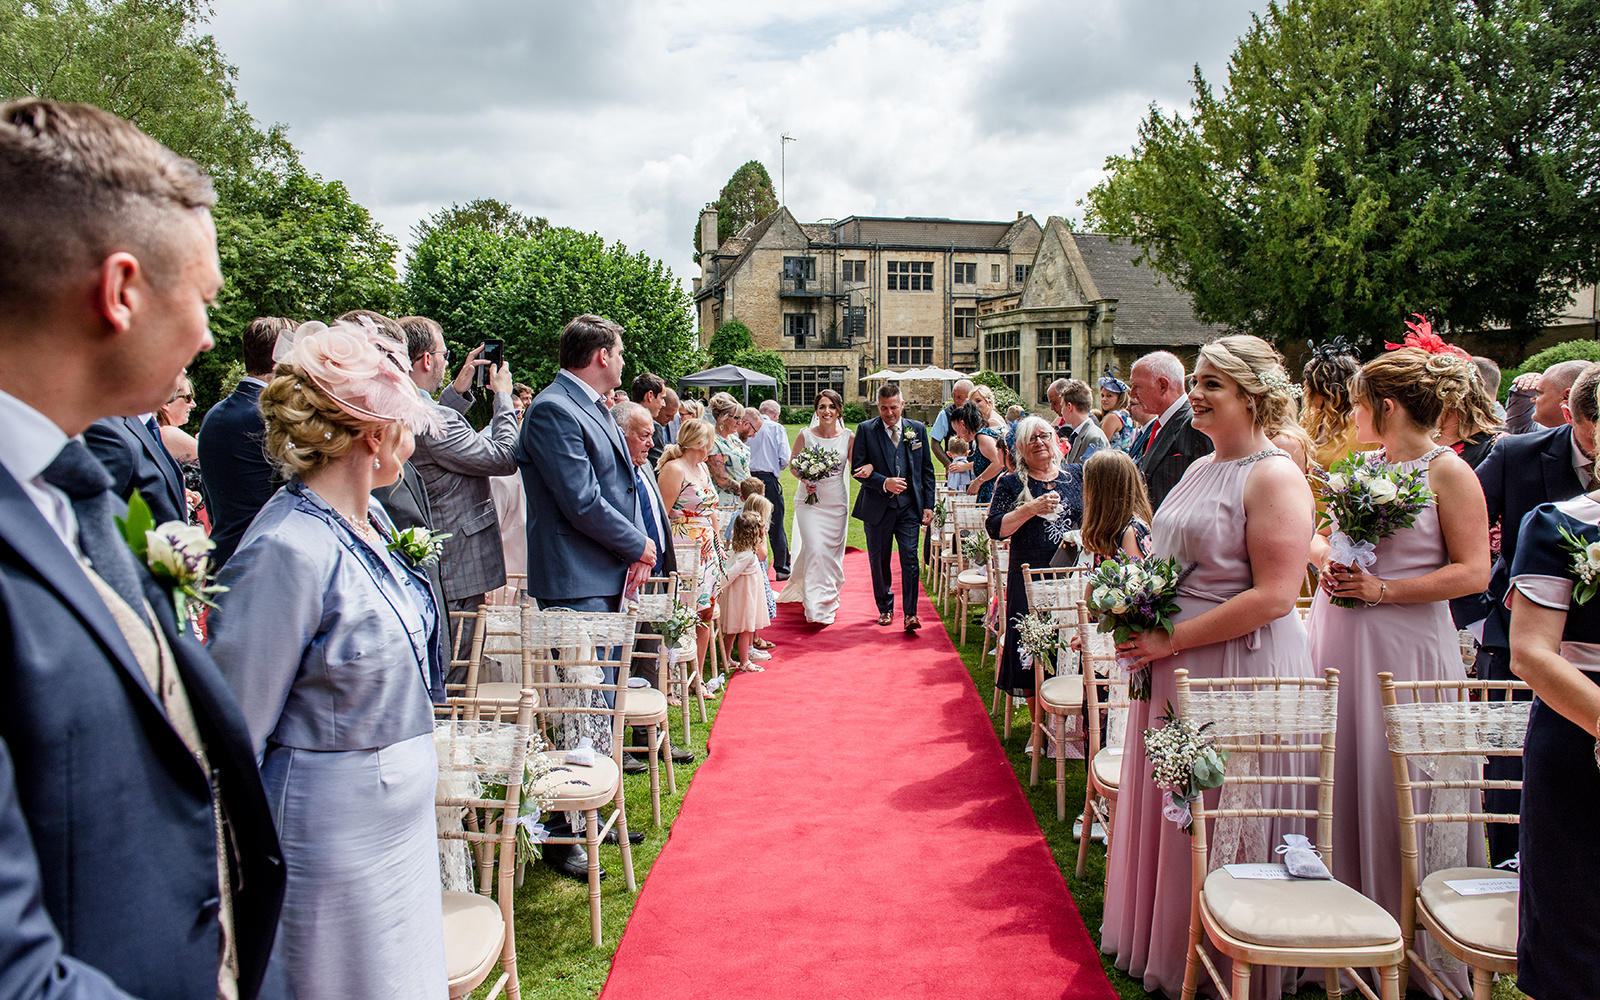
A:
747,197
523,288
488,214
292,243
1368,160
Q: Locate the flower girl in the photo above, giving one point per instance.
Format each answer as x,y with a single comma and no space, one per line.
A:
744,598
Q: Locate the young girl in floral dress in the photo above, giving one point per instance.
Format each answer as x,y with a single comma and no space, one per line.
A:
744,600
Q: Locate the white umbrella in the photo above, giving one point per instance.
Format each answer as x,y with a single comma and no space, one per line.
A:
887,373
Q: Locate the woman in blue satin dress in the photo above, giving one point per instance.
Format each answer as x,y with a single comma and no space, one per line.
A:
328,638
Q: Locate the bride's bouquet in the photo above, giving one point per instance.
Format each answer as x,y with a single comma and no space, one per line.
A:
1129,596
815,464
1367,500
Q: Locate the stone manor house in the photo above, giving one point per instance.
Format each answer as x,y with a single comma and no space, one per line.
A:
842,299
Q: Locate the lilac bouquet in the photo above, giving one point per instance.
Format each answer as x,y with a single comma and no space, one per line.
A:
815,464
1129,596
1367,500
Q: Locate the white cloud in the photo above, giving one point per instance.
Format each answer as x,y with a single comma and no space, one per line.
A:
625,116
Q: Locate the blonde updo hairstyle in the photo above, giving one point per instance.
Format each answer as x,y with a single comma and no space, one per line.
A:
305,430
1257,368
692,433
725,407
1425,385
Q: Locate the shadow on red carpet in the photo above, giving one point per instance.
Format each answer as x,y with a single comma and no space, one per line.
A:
855,832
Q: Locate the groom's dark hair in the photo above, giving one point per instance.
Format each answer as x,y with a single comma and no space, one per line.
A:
888,390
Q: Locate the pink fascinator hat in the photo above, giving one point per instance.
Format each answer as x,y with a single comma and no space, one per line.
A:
361,370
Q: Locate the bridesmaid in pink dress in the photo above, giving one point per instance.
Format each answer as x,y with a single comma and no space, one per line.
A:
1402,623
1243,517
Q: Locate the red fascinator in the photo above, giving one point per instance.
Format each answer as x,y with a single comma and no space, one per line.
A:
1423,338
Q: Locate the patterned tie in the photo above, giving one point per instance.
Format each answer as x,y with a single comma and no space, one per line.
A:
77,473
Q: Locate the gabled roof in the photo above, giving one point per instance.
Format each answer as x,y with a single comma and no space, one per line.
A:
1150,309
922,232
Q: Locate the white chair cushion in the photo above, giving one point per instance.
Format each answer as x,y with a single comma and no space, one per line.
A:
504,691
1108,767
1062,691
474,933
562,785
1487,922
975,579
1309,913
645,704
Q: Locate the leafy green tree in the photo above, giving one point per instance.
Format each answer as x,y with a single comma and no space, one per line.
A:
747,197
1369,160
731,338
523,288
292,244
488,214
767,363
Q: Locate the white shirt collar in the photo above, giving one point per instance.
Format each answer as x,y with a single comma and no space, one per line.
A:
254,381
1067,422
588,390
1580,461
31,442
1172,411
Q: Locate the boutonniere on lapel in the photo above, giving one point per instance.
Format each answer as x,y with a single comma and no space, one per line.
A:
178,555
909,436
420,545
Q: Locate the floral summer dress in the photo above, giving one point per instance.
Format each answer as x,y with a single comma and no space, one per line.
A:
694,523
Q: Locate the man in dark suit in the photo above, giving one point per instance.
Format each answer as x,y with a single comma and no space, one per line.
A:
234,470
1168,445
1073,405
587,541
130,448
895,499
662,434
137,853
1521,472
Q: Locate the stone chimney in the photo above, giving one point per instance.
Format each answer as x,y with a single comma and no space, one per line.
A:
708,229
1019,215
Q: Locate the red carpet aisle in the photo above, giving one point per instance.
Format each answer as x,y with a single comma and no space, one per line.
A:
856,832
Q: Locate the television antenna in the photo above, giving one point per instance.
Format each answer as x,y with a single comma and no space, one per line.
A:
783,145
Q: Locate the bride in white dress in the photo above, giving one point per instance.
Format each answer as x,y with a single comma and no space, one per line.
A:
817,557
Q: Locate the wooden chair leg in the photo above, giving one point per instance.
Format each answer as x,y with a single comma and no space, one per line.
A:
1482,984
666,758
627,848
1034,751
1005,714
1389,978
591,844
1331,983
1241,979
653,756
1061,768
964,611
1087,819
1191,962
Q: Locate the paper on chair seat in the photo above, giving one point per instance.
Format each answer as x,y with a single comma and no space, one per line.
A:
1483,886
1277,873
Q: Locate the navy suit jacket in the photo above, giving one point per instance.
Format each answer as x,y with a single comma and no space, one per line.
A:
872,447
234,471
584,526
108,870
1521,472
138,461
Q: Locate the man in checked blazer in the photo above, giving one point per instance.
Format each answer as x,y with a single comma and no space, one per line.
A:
456,465
1168,445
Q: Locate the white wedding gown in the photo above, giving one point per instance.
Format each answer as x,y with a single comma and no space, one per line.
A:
816,557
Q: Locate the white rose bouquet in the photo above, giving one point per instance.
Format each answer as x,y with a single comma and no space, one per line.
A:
178,555
1184,762
1130,596
1367,500
813,465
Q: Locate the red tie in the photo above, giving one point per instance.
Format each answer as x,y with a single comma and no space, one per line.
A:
1155,425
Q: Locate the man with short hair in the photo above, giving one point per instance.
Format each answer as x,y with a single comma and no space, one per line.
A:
1536,398
521,396
649,391
1521,472
1079,433
769,456
137,852
1168,445
939,433
895,499
235,474
588,543
456,464
666,429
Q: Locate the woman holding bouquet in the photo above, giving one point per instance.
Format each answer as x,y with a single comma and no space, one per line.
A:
1396,613
820,528
1242,517
1034,507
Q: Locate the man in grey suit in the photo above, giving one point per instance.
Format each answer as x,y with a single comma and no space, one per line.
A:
1169,445
587,540
1081,436
455,467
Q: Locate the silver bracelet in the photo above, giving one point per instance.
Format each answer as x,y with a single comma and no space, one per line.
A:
1383,588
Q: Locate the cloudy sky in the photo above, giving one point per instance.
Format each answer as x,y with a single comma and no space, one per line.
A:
626,116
